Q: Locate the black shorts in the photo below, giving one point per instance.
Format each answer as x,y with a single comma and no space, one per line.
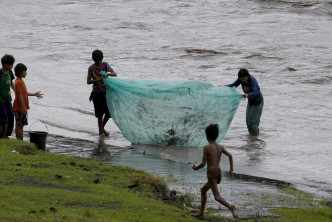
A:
100,104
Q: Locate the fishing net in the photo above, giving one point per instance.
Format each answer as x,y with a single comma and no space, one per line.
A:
169,114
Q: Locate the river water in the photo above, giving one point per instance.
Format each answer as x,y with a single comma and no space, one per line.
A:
285,44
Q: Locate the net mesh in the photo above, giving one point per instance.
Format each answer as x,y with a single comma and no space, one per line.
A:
169,114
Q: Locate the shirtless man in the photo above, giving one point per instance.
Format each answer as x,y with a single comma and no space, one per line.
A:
211,156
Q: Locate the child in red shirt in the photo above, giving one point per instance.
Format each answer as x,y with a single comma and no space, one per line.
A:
21,102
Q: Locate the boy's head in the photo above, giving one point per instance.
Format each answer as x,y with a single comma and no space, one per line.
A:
7,61
212,132
20,70
97,56
244,75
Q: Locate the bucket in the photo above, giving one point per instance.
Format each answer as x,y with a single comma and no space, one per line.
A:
38,137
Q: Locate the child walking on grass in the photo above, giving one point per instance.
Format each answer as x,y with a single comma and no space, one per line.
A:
21,102
211,156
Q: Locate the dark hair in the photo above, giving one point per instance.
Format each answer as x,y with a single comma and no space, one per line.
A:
7,60
243,73
97,56
212,132
19,69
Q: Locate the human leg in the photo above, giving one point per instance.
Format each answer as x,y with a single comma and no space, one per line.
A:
204,190
99,111
19,132
217,197
21,121
107,115
248,110
10,123
3,119
254,118
105,120
100,126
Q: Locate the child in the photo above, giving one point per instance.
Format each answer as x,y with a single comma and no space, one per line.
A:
211,156
98,94
6,109
21,102
255,100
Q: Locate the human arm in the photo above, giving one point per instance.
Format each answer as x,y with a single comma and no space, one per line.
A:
36,94
11,82
112,74
20,99
12,85
90,80
204,159
230,158
110,71
236,83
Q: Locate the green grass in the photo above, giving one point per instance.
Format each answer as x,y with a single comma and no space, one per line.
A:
323,214
29,189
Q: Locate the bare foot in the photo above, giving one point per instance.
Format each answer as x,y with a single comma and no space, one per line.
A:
102,136
106,133
234,212
199,216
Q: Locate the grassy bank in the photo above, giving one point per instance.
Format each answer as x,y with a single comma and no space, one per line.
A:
41,186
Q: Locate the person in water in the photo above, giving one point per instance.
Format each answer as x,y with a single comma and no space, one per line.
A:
21,102
98,94
6,108
255,104
211,157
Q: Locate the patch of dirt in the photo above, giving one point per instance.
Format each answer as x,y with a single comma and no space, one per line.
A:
29,181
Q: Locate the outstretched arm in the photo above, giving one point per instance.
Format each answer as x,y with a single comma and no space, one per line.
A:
230,158
236,83
36,94
203,160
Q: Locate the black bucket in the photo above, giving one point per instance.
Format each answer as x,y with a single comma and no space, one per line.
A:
38,138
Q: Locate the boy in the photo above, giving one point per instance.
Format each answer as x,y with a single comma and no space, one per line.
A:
98,94
255,105
211,156
6,109
21,102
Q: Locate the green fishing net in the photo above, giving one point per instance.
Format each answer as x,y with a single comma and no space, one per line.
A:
169,114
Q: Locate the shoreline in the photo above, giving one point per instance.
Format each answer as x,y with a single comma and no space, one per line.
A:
38,185
56,173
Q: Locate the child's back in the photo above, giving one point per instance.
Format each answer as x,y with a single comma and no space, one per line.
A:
213,155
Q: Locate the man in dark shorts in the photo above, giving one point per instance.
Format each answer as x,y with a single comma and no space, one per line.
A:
98,94
211,156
